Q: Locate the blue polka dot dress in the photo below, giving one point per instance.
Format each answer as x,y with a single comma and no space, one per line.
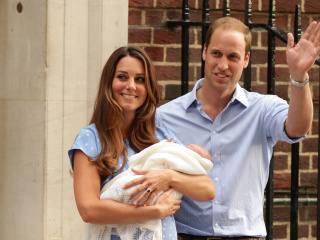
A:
89,143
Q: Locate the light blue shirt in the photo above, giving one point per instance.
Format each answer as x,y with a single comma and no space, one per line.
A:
240,141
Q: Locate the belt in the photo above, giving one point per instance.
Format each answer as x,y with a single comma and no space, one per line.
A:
182,236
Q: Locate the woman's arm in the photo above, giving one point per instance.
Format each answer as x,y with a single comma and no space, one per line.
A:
87,194
196,187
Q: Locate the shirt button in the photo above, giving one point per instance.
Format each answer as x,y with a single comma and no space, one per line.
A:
198,102
215,155
217,225
216,202
214,132
216,179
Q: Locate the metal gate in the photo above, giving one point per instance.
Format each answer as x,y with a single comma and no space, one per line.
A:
273,34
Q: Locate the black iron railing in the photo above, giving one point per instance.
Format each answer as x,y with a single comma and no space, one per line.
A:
273,34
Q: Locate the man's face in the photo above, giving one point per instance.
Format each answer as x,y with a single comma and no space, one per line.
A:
225,59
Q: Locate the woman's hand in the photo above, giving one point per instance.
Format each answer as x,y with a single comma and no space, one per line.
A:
168,205
154,181
96,211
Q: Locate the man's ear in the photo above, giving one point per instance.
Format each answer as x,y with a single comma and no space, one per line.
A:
246,60
204,52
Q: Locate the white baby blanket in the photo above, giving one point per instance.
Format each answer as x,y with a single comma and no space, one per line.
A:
160,156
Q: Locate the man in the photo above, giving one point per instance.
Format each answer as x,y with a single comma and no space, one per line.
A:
239,129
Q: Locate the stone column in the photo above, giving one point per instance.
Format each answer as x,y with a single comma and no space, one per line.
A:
52,53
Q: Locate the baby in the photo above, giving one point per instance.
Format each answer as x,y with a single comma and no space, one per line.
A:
193,159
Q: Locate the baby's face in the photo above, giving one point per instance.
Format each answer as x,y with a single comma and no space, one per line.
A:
200,150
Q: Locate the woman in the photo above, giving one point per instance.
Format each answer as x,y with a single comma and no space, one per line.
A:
122,124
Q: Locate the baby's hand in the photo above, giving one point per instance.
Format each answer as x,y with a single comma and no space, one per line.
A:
171,140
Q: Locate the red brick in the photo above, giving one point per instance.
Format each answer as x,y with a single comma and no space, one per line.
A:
199,37
155,53
139,35
312,6
141,3
282,22
315,93
172,91
314,230
191,85
154,17
166,36
280,231
197,73
314,75
254,41
260,18
304,162
315,127
212,4
305,21
163,101
174,15
282,147
261,88
315,110
259,56
282,75
195,55
255,6
280,57
192,38
214,15
308,179
316,17
265,6
168,72
238,15
281,44
264,38
281,214
281,162
307,213
135,17
285,6
303,231
238,5
282,180
191,75
315,162
192,4
281,91
196,16
161,90
169,4
173,54
310,145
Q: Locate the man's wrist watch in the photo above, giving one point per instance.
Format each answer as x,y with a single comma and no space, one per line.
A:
299,84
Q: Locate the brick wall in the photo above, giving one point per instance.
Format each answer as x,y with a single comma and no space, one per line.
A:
148,29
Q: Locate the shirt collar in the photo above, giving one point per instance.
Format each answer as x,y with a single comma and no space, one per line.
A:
239,94
192,96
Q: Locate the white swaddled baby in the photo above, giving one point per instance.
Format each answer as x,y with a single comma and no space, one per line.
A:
160,156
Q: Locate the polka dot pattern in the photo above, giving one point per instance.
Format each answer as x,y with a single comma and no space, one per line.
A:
88,141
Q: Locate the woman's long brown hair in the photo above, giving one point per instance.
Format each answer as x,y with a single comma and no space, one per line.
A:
107,115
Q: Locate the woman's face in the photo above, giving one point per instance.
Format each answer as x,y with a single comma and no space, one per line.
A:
128,85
